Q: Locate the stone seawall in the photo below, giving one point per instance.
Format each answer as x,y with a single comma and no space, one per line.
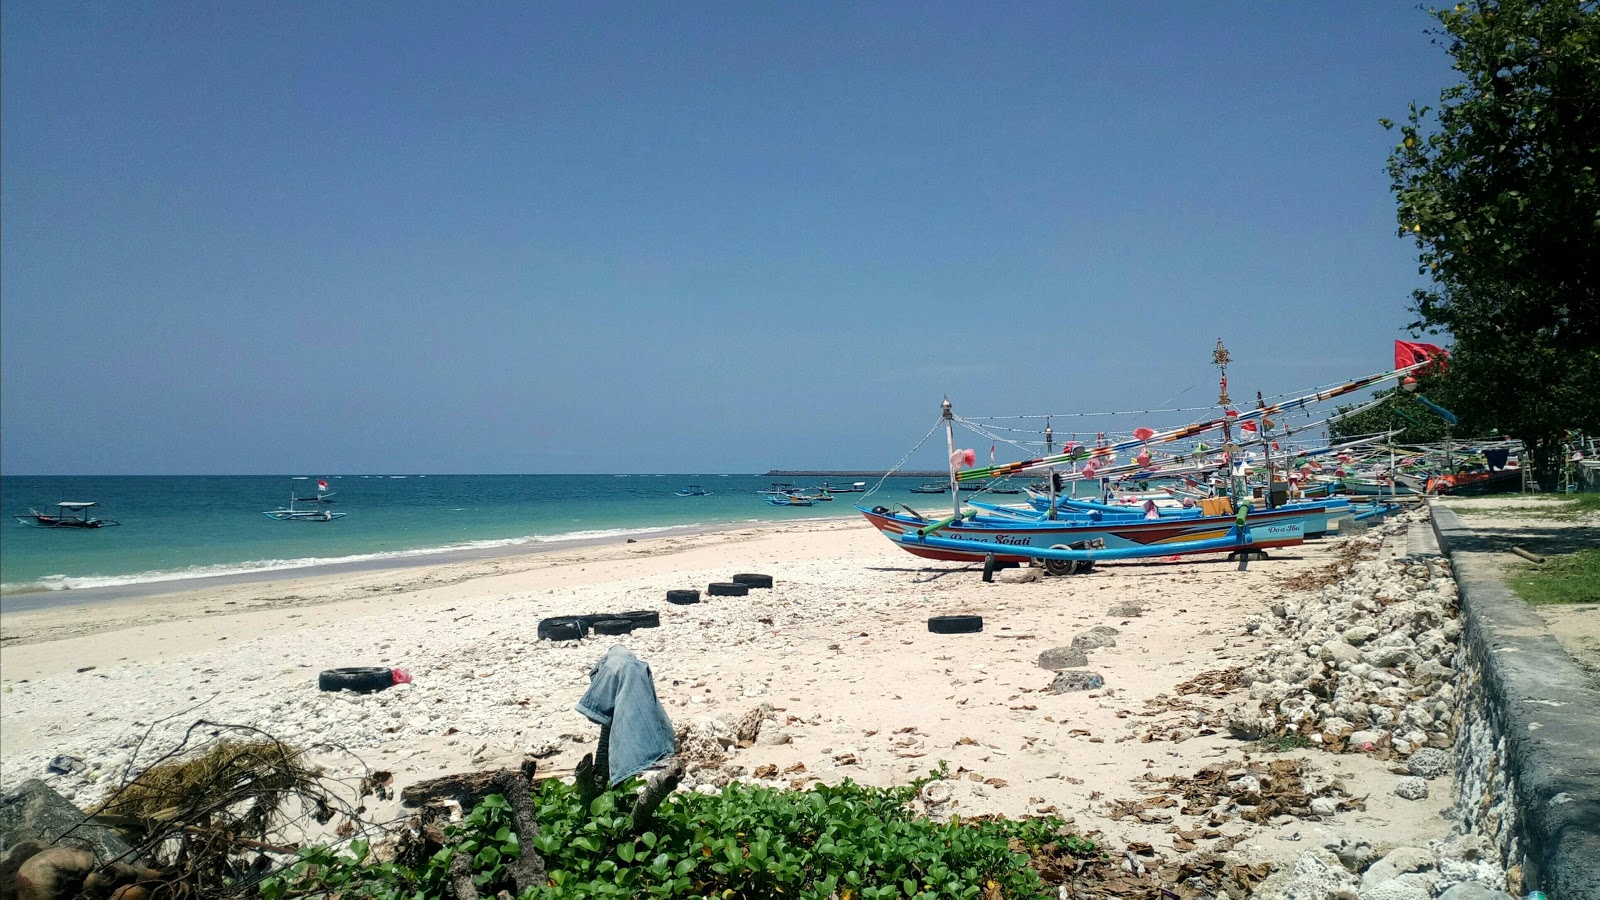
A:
1527,731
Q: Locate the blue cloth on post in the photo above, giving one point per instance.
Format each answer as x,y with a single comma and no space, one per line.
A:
622,694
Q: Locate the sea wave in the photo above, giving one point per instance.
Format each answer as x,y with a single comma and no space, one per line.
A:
67,583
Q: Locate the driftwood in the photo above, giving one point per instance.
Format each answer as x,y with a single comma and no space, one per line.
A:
1530,557
655,792
468,789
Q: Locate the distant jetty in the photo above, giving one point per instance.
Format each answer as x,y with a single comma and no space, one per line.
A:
797,473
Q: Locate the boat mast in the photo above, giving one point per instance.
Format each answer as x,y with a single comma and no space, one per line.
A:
1220,359
950,441
1050,474
1266,448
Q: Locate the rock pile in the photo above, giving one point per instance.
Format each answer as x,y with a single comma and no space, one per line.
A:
1362,665
1460,866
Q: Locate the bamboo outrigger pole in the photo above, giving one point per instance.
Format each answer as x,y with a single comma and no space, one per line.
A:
1185,431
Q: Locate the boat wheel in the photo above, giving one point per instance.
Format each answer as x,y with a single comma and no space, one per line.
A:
1060,566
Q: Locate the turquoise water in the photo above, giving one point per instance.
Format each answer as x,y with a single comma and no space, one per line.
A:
185,527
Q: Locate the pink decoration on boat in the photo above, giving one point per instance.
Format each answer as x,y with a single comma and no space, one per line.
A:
1150,511
1143,434
961,459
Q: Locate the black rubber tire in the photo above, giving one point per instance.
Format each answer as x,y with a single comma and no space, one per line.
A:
683,597
642,618
755,581
1059,566
563,628
727,589
361,679
614,626
955,624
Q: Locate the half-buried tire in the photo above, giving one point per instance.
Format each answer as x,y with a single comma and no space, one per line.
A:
361,679
644,618
755,581
683,598
563,628
727,589
614,626
955,624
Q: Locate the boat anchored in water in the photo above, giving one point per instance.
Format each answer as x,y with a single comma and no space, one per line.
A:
69,514
692,490
290,514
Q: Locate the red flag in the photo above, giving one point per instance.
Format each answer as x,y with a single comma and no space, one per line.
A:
1408,353
1247,426
1143,434
991,454
321,485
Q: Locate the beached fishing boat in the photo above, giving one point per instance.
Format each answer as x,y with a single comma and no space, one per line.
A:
1092,532
290,514
69,514
972,538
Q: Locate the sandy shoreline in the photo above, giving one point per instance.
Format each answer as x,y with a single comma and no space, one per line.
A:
839,647
25,601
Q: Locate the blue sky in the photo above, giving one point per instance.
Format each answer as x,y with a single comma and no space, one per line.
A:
598,237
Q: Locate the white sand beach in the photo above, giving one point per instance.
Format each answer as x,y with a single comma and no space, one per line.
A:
839,647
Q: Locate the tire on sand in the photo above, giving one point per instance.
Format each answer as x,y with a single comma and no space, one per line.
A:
641,618
361,679
614,626
563,628
755,581
955,624
727,589
683,597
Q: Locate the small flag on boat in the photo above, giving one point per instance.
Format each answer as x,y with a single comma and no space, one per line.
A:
1143,434
991,454
1409,353
1247,426
321,485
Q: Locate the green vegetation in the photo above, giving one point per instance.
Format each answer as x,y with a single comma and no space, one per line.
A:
1283,743
1498,187
1568,578
747,842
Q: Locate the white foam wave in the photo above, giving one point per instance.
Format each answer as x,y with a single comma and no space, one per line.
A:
68,582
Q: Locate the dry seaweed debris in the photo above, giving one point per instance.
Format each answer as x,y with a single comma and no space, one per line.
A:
228,805
1345,558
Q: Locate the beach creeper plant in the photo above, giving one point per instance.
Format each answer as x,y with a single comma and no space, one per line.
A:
845,841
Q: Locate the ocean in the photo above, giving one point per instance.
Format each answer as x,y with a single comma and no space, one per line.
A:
180,527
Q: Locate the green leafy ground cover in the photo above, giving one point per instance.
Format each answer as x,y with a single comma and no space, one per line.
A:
747,842
1567,578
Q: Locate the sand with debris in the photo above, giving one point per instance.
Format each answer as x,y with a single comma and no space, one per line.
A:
839,648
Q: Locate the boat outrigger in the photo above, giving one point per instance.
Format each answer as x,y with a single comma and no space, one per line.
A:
290,514
69,514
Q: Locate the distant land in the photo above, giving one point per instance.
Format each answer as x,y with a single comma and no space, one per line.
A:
797,473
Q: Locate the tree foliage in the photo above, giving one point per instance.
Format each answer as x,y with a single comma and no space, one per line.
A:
1499,186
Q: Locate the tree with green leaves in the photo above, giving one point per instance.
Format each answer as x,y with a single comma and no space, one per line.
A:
1499,186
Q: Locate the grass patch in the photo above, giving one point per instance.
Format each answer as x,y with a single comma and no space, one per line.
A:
1284,743
1567,578
1549,507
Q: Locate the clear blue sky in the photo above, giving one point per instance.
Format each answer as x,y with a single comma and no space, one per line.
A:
682,237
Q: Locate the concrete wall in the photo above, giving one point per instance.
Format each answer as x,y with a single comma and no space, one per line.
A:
1528,730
